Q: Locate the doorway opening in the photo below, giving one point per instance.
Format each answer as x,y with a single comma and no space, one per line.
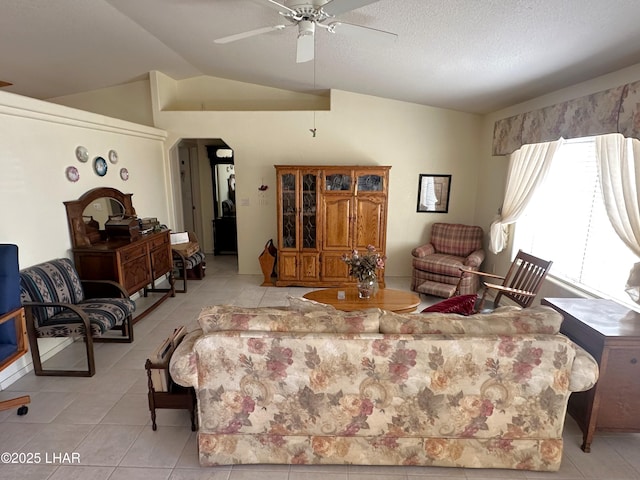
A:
205,204
225,232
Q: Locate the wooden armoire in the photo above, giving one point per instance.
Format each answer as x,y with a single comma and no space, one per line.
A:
325,212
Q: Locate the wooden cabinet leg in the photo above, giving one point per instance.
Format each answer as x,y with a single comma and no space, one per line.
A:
153,420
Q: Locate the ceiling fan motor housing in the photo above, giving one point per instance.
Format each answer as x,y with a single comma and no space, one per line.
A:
306,27
305,12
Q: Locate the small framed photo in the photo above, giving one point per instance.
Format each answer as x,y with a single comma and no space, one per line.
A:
433,193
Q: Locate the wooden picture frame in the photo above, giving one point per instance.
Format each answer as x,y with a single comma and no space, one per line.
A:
433,193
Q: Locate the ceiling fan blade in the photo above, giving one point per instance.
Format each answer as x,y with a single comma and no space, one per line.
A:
250,33
283,7
336,7
305,50
364,33
4,84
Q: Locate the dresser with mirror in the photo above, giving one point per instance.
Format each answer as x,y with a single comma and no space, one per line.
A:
107,245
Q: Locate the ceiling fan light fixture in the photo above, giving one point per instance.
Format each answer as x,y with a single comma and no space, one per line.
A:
306,27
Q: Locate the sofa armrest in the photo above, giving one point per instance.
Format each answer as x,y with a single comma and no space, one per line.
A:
584,373
423,250
475,259
183,366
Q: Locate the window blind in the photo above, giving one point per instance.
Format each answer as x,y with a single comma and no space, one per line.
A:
566,222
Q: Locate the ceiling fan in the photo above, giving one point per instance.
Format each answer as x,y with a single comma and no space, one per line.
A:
311,14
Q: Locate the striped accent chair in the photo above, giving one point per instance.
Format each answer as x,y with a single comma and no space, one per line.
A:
59,304
436,265
190,267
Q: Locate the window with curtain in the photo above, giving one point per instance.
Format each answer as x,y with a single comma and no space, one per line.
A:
566,222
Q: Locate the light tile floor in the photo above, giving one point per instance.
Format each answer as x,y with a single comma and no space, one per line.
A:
104,420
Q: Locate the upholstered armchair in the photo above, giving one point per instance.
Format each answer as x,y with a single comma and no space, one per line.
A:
437,264
13,338
59,304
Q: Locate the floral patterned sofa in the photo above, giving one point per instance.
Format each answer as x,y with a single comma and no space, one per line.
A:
308,384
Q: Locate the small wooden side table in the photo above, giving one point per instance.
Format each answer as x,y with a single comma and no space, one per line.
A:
397,301
176,396
610,332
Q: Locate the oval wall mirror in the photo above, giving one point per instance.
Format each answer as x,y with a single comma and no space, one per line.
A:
101,209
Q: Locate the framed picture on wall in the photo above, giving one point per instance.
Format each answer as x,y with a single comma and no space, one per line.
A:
433,193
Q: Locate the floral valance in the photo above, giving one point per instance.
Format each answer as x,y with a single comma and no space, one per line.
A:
616,110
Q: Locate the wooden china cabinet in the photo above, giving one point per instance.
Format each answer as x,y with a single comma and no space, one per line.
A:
325,212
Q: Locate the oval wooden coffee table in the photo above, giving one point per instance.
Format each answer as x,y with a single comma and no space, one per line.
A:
397,301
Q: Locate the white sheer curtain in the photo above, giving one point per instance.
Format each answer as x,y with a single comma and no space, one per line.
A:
527,168
619,171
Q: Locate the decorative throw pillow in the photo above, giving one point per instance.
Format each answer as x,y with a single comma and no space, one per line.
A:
462,305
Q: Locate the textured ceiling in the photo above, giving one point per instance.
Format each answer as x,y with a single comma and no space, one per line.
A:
469,55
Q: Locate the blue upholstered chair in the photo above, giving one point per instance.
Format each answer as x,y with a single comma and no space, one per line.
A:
13,337
59,304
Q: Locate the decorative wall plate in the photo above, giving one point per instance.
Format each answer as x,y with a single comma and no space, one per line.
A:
72,174
82,154
124,174
100,166
113,156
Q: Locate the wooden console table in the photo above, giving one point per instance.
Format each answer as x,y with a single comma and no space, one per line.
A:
386,298
610,332
136,265
132,259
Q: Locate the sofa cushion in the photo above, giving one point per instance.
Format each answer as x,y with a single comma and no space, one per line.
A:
456,239
302,304
183,364
502,321
224,317
103,313
461,304
55,281
440,263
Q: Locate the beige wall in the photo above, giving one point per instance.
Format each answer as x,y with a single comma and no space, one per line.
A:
358,129
211,93
131,101
37,143
411,138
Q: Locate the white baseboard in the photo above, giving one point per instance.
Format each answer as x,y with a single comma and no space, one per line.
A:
24,364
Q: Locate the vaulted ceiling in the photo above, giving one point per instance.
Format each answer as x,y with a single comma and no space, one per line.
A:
468,55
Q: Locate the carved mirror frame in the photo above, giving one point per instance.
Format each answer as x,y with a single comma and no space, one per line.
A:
75,210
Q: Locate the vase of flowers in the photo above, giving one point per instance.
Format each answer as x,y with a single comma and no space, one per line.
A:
364,268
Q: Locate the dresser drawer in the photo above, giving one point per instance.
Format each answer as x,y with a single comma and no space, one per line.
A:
136,274
134,251
159,241
161,262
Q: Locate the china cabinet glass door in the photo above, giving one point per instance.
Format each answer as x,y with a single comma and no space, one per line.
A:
289,211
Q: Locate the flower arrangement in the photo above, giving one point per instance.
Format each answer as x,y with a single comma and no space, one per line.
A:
364,266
